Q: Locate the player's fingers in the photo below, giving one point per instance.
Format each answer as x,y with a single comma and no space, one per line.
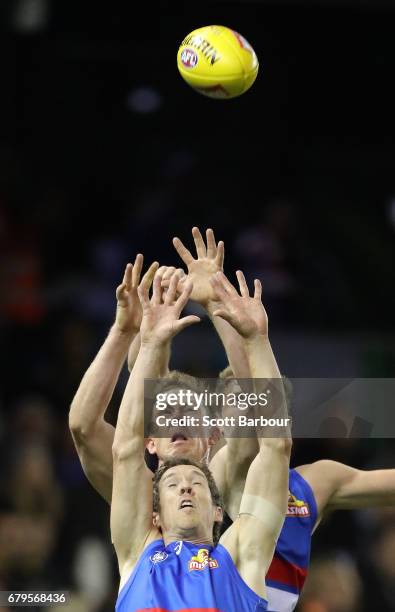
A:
211,245
137,267
227,285
218,288
199,242
258,289
143,293
184,297
181,273
180,284
168,273
185,322
172,290
150,273
242,284
219,259
156,290
183,252
224,314
181,277
127,277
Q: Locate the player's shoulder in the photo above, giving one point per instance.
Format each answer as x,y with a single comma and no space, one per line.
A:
324,477
321,475
323,467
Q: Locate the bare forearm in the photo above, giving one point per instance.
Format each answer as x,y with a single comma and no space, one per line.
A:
261,365
130,423
265,499
98,384
233,343
362,488
259,362
267,377
134,351
268,474
261,359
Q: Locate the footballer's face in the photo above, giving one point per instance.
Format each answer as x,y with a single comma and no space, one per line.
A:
179,445
189,441
186,506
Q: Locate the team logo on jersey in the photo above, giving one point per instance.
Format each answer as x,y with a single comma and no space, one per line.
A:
202,560
159,556
297,507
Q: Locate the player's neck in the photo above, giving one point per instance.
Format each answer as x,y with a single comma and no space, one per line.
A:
187,535
205,459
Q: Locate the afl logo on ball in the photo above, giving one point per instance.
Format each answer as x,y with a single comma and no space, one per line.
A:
189,58
159,556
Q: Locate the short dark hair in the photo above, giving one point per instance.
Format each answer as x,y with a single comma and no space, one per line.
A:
181,380
215,495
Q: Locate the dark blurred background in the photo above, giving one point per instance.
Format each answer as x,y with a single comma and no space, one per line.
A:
106,152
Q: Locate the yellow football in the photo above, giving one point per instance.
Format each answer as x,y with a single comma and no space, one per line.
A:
217,62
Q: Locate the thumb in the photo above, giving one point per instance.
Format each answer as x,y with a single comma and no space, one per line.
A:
224,314
120,292
185,322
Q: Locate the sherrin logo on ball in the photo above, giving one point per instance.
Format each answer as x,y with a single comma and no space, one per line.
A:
217,62
189,58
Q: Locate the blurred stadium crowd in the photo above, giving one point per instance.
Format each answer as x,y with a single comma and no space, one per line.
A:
70,221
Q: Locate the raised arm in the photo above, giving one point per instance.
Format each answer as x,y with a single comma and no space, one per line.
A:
166,272
232,308
229,475
131,509
92,435
209,260
252,538
262,512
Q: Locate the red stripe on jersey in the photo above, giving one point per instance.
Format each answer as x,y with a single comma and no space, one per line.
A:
287,573
179,610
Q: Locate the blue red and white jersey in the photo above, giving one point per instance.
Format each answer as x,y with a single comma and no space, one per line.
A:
288,570
185,577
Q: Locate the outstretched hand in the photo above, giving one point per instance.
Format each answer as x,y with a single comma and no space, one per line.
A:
161,314
246,314
209,260
129,312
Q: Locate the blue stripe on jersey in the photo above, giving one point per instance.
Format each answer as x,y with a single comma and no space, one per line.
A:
294,542
289,568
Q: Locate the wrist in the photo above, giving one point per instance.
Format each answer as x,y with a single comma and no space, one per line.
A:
154,344
257,339
211,306
120,334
